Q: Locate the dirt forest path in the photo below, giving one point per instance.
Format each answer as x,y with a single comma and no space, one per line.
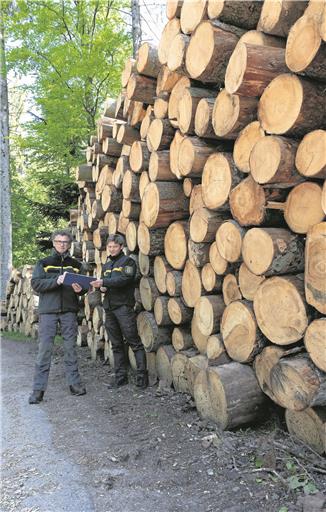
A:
124,450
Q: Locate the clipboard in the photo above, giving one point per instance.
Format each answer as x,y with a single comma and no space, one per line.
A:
82,280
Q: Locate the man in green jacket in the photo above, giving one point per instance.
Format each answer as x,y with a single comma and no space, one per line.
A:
58,303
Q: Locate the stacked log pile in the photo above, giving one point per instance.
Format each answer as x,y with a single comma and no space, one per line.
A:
211,163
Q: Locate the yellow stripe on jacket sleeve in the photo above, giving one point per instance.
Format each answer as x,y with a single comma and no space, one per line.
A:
64,268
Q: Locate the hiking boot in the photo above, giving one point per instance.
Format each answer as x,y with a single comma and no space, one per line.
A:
77,390
36,397
117,382
142,380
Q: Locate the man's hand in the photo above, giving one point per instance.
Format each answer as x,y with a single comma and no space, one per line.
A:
61,278
76,287
98,283
103,289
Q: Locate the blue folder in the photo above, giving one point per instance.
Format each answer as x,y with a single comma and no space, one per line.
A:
83,281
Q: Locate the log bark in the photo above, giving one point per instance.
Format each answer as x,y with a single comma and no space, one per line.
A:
229,238
196,198
230,289
130,210
310,158
315,278
203,119
141,88
111,146
238,13
166,80
263,365
232,113
220,176
244,143
195,364
179,313
100,236
204,223
148,292
111,199
150,241
192,155
173,283
281,310
147,60
188,105
182,374
150,334
208,313
277,19
164,356
161,268
252,67
139,156
127,135
198,253
314,341
248,282
159,167
163,202
303,207
303,106
259,38
309,426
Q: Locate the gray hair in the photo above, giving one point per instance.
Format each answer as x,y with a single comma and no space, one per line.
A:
118,239
62,232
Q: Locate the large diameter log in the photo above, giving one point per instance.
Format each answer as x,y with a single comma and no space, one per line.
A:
148,292
281,310
176,95
231,113
229,238
150,241
234,395
315,269
198,253
175,244
177,53
273,251
141,88
147,60
303,207
298,372
161,268
303,106
191,285
193,153
173,283
192,13
272,160
241,336
252,67
139,156
220,176
203,118
230,289
309,426
164,356
163,202
181,338
259,38
278,18
238,13
310,159
161,312
204,223
208,313
305,50
150,334
248,282
171,29
159,167
208,52
159,135
314,341
188,106
244,143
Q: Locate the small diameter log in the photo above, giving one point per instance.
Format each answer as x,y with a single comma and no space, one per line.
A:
303,106
100,236
159,135
203,118
181,339
198,253
173,9
141,88
238,13
111,199
232,113
121,167
281,310
233,395
175,96
229,238
220,176
203,225
303,207
241,336
208,52
314,341
188,106
174,154
196,198
175,244
211,282
145,266
310,159
139,156
208,313
177,53
111,220
166,80
147,60
130,186
171,29
230,289
315,269
244,143
122,224
192,13
111,146
130,210
278,18
130,67
148,292
273,251
272,160
136,113
159,167
305,51
216,353
252,67
131,235
248,282
150,241
145,124
161,106
309,426
298,372
192,156
173,283
97,210
161,313
191,284
163,202
102,160
161,268
164,356
143,182
127,135
179,313
84,172
218,263
150,334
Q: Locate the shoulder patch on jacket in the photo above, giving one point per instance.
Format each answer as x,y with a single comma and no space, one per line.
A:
129,270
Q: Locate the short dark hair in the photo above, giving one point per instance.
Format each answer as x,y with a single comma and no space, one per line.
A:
117,238
62,232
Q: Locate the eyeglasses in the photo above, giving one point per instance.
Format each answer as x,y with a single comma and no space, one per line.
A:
63,242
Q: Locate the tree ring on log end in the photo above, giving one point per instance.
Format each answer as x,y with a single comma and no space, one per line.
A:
257,250
239,331
302,44
200,49
216,181
225,113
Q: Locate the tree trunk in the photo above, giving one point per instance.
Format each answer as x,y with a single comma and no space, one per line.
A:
161,268
159,135
204,223
192,155
188,106
164,356
218,263
130,186
136,26
141,88
159,167
216,353
171,29
177,53
191,285
208,313
175,244
173,283
161,312
131,235
211,282
198,253
175,97
139,156
181,338
148,292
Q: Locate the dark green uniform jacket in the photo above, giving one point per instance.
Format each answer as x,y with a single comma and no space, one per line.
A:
118,276
55,298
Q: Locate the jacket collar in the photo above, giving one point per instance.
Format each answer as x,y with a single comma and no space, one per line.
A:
61,256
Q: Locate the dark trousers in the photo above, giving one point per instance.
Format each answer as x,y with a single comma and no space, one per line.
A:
120,324
47,330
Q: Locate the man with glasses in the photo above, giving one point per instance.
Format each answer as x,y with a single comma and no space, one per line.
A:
57,303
